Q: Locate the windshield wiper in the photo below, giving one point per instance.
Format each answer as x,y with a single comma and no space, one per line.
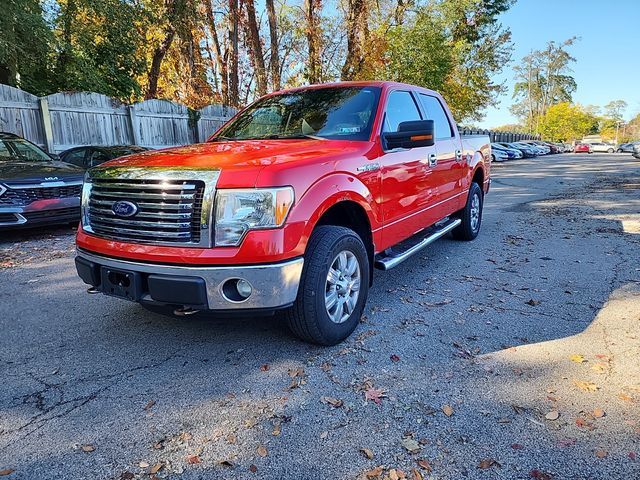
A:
223,139
277,136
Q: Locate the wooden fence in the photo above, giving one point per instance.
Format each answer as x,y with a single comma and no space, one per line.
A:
499,136
64,120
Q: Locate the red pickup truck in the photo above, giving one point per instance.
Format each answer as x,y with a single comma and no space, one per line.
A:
288,206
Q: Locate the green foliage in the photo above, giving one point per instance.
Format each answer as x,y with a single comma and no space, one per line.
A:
97,44
25,46
566,122
455,47
615,109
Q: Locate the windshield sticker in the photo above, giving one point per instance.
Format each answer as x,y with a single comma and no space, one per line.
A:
348,130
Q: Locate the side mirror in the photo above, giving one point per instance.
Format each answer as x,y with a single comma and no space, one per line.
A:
418,133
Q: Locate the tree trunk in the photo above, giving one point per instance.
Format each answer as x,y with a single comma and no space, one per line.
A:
314,42
255,48
221,58
158,56
233,44
357,35
274,61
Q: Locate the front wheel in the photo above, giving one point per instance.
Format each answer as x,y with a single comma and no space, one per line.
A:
333,289
610,150
471,215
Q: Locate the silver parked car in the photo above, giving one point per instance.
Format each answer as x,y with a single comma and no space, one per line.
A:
602,147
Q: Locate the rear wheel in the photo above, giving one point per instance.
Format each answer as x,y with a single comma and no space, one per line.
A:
471,215
333,289
610,150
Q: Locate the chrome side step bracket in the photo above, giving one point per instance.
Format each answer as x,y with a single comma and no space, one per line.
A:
387,262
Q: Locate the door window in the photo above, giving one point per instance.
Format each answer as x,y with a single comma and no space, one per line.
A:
435,112
400,108
76,157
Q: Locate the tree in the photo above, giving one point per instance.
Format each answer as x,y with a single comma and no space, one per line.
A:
543,79
566,122
615,109
314,40
274,58
357,37
255,48
25,46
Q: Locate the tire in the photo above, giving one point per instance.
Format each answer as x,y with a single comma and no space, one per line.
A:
468,229
309,318
493,157
619,150
610,150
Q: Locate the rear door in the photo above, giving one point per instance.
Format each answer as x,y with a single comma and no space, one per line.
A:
408,186
449,170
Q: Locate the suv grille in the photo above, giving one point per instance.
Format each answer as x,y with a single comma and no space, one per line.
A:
168,211
25,196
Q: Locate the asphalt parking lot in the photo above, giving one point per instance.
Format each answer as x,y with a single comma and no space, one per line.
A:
511,357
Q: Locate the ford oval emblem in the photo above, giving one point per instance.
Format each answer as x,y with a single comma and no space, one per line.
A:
124,208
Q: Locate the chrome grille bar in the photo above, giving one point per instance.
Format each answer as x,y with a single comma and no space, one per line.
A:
170,207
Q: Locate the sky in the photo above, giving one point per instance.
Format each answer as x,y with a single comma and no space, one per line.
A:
607,55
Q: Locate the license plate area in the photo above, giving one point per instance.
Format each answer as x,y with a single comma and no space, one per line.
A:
121,283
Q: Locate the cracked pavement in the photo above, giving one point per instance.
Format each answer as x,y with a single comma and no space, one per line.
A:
539,316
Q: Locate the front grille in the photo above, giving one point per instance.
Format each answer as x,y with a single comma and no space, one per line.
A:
70,214
169,211
25,196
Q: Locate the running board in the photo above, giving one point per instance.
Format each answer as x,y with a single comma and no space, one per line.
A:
387,262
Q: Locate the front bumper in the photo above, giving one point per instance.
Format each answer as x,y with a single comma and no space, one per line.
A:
273,285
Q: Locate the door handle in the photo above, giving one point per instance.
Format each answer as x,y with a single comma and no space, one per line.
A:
458,155
433,160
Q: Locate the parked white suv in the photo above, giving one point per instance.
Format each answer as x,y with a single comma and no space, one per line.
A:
602,147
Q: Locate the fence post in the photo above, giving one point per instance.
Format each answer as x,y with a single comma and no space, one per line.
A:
132,123
45,116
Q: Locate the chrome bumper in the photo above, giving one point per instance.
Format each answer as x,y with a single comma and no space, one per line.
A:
273,285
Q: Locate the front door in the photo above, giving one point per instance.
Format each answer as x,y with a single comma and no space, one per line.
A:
408,185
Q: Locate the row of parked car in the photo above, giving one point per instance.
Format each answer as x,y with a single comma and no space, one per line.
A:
41,188
501,151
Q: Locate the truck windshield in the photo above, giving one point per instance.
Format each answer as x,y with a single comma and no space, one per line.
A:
332,112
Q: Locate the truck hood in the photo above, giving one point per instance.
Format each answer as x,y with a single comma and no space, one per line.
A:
23,172
242,161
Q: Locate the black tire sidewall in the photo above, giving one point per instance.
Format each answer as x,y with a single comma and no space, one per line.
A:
331,333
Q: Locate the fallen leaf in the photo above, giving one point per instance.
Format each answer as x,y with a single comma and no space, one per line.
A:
226,463
126,476
395,358
276,430
375,395
253,468
156,468
447,410
6,471
396,474
416,475
334,402
262,451
532,302
599,367
410,445
232,439
193,459
143,464
539,475
586,386
374,473
264,367
324,434
517,446
598,413
625,397
367,453
88,448
424,464
488,463
149,404
552,415
577,358
601,453
632,456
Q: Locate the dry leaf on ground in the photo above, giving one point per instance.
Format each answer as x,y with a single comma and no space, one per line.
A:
424,464
552,415
374,472
334,402
486,463
367,453
598,413
410,445
6,471
193,459
586,386
601,453
447,410
577,358
375,395
88,448
262,451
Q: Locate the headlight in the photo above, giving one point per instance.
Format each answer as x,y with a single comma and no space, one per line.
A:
241,210
84,200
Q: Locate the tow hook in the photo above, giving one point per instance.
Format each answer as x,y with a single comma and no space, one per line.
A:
92,290
184,311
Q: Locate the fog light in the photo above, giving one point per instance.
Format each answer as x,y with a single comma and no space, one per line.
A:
244,288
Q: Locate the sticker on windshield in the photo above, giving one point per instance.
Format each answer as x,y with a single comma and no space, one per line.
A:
347,130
